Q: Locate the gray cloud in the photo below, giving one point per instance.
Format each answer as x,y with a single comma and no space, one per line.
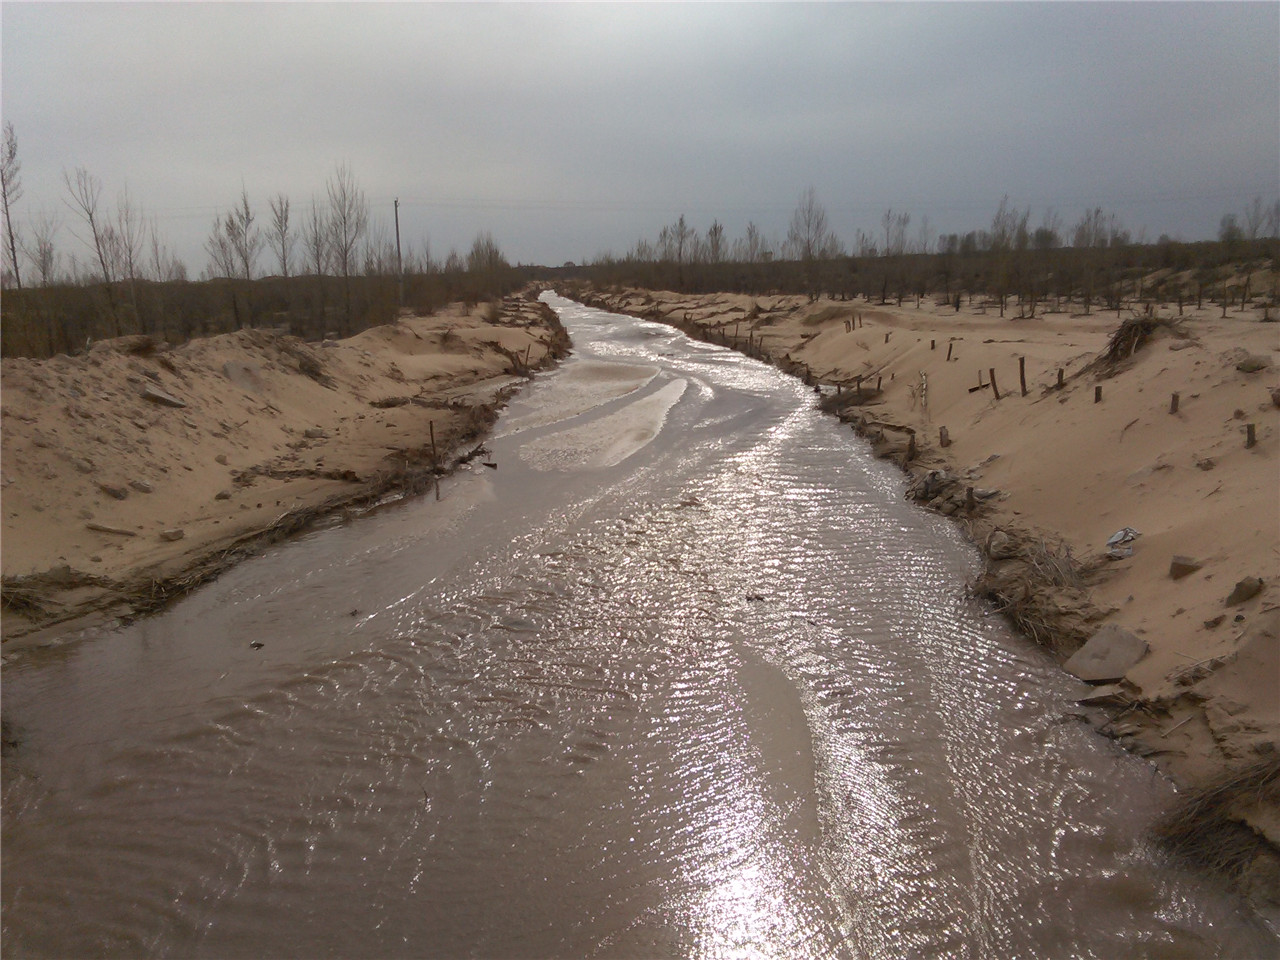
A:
569,129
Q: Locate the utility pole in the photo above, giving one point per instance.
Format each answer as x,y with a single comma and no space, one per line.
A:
399,261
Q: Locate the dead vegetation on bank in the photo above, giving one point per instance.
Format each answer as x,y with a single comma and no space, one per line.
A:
1208,829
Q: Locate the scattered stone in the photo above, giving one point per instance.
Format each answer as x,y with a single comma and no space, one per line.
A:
221,458
1246,589
1238,414
169,536
118,493
1181,566
142,486
315,433
1111,695
1252,364
222,495
83,465
103,528
1107,656
257,644
1000,546
156,395
1207,463
1214,622
1275,397
1180,344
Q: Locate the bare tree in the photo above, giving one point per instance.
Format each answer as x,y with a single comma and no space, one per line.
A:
86,193
715,242
808,234
1009,228
379,251
10,194
40,250
485,256
419,262
279,239
221,250
1255,216
924,237
315,239
348,220
165,267
130,232
245,238
866,245
1090,230
1229,229
1048,236
758,248
895,232
808,237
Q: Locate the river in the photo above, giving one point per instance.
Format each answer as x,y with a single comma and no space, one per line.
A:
684,676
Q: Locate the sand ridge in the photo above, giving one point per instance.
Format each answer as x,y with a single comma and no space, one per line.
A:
1073,466
113,496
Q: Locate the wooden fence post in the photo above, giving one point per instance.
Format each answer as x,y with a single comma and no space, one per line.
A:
1022,374
991,372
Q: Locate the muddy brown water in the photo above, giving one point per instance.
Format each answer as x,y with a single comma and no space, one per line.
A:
684,676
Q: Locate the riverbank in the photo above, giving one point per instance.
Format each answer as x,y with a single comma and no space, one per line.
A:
1047,436
136,471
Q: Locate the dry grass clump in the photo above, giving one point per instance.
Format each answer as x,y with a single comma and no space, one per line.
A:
1126,340
1205,828
1040,587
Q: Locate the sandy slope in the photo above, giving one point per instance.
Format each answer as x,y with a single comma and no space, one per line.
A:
1207,695
97,479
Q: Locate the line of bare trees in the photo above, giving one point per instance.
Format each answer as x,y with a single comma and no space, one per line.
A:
1017,263
333,268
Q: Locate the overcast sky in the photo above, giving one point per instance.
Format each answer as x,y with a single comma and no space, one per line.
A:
571,129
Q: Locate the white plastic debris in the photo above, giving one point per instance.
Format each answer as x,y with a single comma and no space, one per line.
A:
1116,548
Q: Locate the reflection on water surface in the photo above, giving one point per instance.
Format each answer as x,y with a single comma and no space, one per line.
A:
685,676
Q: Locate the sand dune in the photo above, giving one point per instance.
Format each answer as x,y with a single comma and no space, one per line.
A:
115,496
1070,466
